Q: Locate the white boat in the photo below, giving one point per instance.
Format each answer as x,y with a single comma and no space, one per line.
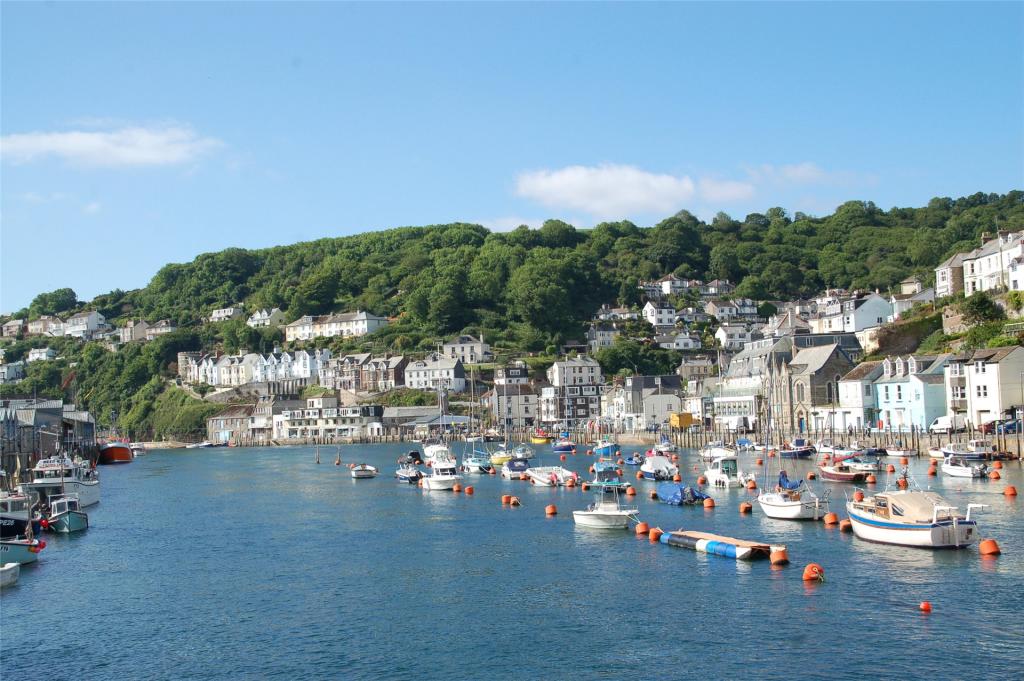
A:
832,449
715,450
199,445
9,574
61,475
958,467
444,474
724,472
860,464
912,518
665,446
364,470
607,512
20,550
138,449
514,469
936,453
477,462
408,472
434,449
550,476
793,501
657,467
974,450
65,515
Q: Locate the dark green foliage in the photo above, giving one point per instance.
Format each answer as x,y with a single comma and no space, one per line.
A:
53,303
980,335
979,307
629,356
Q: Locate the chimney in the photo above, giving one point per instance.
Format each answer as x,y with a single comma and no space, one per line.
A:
985,236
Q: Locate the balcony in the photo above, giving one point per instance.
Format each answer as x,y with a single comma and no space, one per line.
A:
958,403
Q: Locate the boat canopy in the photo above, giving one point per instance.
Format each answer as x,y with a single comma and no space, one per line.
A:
785,483
744,442
606,475
679,495
518,465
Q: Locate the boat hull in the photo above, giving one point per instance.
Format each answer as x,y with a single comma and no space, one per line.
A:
563,447
88,492
440,482
71,521
801,453
9,574
114,453
607,449
781,509
716,479
829,473
602,520
942,535
963,471
19,551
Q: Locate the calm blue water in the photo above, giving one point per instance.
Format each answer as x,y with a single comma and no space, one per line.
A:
257,563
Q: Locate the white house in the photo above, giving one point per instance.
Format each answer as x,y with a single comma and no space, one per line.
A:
226,313
301,329
516,373
987,268
468,350
514,406
659,314
601,335
265,318
431,374
678,341
84,324
41,354
857,404
911,294
358,323
852,314
722,310
578,371
671,285
732,336
986,384
164,326
46,326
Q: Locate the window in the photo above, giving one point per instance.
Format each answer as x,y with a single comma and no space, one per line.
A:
886,392
867,390
800,392
899,392
982,391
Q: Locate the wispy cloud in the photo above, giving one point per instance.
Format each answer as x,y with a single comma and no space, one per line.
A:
36,197
806,173
124,147
92,207
606,191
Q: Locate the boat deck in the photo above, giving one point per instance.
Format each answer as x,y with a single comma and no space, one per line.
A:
730,547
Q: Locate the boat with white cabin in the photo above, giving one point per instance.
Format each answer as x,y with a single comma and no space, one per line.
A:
15,514
443,475
60,475
912,518
958,467
974,450
434,449
724,472
607,511
715,450
65,516
657,467
408,472
515,469
477,462
791,500
665,446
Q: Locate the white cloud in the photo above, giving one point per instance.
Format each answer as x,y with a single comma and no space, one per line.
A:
725,191
92,207
606,191
129,146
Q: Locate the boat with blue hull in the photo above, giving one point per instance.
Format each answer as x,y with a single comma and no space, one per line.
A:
563,446
635,459
20,551
800,449
606,447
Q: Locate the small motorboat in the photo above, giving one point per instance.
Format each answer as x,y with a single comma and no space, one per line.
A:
361,471
840,472
860,463
605,447
974,450
912,518
20,550
657,467
799,449
199,445
607,511
514,469
563,446
744,445
138,449
635,459
724,472
9,574
443,475
408,472
793,501
606,474
715,450
936,453
550,476
539,437
65,516
474,437
435,449
665,446
958,467
477,462
676,494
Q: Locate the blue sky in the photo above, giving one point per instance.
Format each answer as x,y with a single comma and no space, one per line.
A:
140,134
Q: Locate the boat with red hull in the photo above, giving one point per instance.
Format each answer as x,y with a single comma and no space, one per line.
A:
115,452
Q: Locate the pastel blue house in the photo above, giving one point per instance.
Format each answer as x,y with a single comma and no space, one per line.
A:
911,391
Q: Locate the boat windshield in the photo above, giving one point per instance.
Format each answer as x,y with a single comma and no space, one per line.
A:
729,466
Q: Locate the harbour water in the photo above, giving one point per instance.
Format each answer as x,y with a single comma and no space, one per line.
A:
259,563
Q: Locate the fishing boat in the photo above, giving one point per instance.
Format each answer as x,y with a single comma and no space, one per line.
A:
514,469
408,472
115,451
550,476
676,494
65,516
974,450
362,471
563,445
635,459
840,471
607,511
656,467
539,437
665,446
477,462
606,474
793,501
61,475
912,518
20,551
799,449
958,467
15,514
715,450
605,447
444,475
434,449
724,472
9,574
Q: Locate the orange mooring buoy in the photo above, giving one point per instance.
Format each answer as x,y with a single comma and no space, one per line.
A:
639,475
779,557
751,484
994,475
845,525
457,488
469,490
989,547
570,482
925,606
655,534
514,501
677,478
506,499
746,507
759,462
904,461
631,491
702,480
709,503
811,475
871,479
902,483
932,472
675,458
814,573
858,496
550,509
642,529
562,457
585,486
591,469
830,519
492,471
1010,491
890,469
997,465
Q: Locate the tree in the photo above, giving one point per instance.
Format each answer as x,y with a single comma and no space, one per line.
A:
979,308
54,302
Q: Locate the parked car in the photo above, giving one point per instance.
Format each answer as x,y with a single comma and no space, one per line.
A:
1009,427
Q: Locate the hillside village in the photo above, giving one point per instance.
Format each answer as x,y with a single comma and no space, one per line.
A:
740,364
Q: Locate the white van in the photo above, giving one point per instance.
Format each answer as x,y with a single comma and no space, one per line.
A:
948,424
